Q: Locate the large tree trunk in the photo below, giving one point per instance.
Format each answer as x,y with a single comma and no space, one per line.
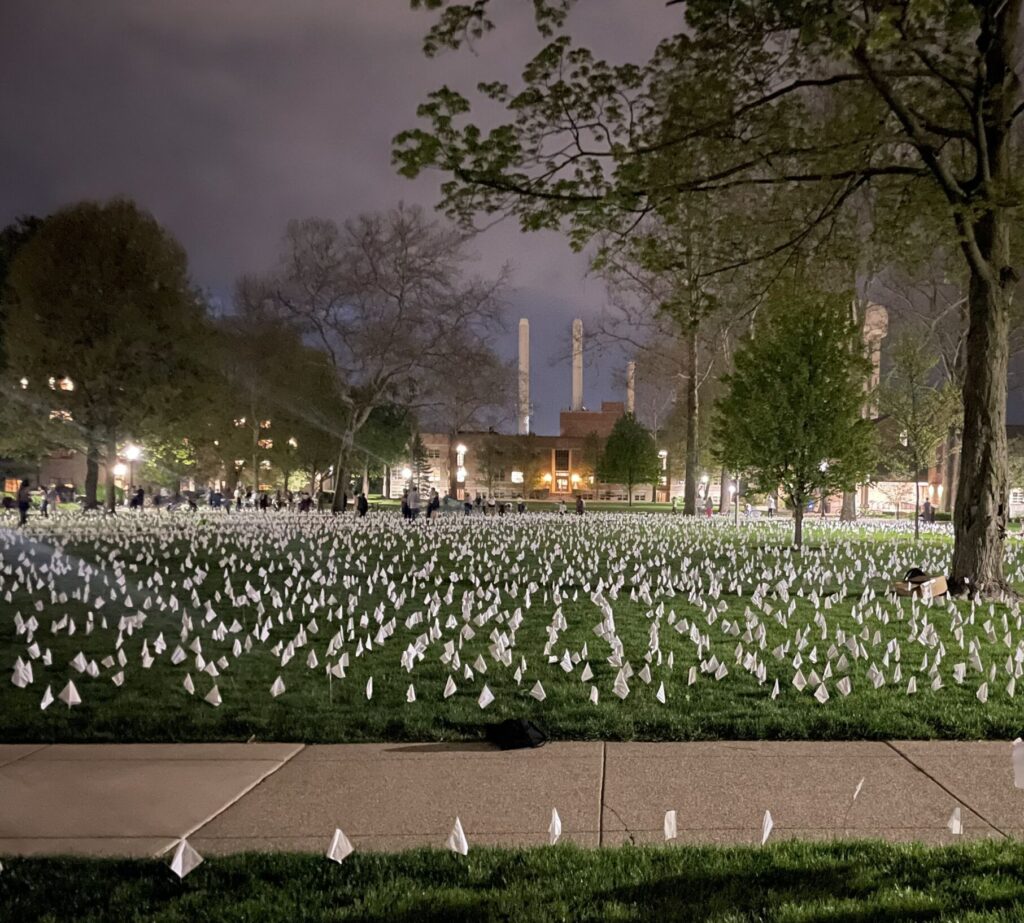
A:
723,492
917,507
366,475
798,525
110,500
980,514
342,474
92,473
849,511
692,427
950,469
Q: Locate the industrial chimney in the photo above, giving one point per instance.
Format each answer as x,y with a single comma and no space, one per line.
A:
577,364
631,387
524,377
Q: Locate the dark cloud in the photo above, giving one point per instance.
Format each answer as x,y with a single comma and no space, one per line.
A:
227,118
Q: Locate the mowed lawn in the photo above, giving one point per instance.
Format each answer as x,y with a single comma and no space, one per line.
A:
711,614
781,883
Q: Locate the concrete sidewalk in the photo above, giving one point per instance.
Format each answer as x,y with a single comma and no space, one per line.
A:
138,799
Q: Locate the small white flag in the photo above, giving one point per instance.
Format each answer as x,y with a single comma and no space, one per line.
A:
671,829
47,700
449,688
410,693
766,827
277,688
185,859
555,827
213,697
369,688
1018,763
457,839
856,791
486,697
190,687
660,694
955,825
69,695
538,692
340,847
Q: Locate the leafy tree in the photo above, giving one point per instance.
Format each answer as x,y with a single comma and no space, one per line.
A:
528,456
921,412
630,455
101,321
12,239
824,100
791,415
384,438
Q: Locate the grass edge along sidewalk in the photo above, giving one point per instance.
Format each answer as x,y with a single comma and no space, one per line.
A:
788,881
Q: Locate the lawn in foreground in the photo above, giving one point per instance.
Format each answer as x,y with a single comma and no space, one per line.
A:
782,883
236,602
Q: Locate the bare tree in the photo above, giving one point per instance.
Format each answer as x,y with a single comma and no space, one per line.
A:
386,297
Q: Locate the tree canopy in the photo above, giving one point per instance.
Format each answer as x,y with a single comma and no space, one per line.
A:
791,414
817,107
630,455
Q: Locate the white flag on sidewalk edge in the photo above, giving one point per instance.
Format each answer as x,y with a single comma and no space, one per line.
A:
340,847
555,827
457,839
671,829
766,827
185,859
955,825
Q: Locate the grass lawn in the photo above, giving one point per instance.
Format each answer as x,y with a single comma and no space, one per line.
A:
262,596
782,883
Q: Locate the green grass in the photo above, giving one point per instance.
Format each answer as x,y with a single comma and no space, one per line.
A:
789,882
660,569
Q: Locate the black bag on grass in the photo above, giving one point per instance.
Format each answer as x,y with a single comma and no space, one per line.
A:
516,733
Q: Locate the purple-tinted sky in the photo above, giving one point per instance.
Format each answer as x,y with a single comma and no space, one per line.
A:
226,118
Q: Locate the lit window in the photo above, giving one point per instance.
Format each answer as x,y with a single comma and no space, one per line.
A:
63,415
517,477
266,443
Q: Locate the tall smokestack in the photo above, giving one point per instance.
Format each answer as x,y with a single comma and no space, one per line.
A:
630,387
524,377
577,364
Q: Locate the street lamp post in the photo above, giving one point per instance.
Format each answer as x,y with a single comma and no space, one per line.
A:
133,453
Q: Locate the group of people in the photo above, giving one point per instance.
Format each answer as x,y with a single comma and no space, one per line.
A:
411,503
49,498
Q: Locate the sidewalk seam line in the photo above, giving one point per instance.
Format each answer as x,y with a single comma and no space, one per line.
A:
236,799
948,791
23,756
600,813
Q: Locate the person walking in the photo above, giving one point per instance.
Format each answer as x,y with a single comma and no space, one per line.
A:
414,502
24,501
709,507
581,507
362,505
771,506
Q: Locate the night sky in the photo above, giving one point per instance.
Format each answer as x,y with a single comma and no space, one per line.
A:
226,118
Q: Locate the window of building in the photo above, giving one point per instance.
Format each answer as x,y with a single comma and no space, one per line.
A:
561,484
562,460
433,453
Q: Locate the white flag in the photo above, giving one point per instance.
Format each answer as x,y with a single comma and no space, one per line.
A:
486,697
954,824
766,827
185,859
555,827
340,847
671,830
457,839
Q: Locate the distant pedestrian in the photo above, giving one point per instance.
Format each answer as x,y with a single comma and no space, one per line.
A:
580,505
927,511
414,502
561,507
362,505
709,508
771,506
24,501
